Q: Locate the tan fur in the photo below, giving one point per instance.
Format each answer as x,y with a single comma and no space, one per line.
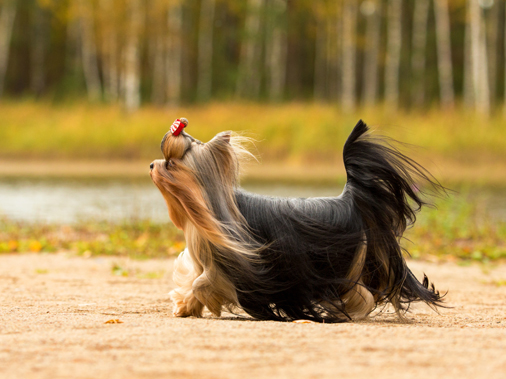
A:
185,273
359,301
200,282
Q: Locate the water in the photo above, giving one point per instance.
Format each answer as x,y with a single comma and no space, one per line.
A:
74,200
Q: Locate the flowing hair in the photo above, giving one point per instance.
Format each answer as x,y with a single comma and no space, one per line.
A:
323,259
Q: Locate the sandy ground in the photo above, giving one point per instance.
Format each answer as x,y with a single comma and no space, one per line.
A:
53,310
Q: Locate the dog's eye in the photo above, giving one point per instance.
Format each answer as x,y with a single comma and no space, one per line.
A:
169,163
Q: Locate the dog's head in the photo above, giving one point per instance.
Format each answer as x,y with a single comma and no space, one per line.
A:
195,176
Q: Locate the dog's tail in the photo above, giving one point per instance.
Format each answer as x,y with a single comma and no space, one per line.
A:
385,188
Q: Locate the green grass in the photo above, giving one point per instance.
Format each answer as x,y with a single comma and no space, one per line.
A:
458,230
297,131
136,239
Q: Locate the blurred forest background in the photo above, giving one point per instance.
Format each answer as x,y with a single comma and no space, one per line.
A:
89,87
405,53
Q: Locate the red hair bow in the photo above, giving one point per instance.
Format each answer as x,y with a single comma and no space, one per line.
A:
178,126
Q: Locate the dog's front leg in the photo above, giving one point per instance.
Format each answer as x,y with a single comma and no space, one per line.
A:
207,295
190,299
185,273
186,304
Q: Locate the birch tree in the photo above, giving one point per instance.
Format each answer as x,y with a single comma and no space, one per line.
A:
258,44
110,50
89,50
7,16
321,46
132,95
372,10
394,43
158,55
348,97
479,59
248,83
492,20
276,50
205,49
419,47
444,53
336,49
174,54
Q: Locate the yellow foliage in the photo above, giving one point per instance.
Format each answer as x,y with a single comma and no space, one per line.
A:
35,246
13,245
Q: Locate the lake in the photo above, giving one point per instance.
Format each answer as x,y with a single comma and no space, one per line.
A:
74,200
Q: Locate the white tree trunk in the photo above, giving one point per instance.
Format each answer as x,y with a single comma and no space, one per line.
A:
248,84
373,42
419,47
484,74
479,54
205,49
349,53
132,57
112,66
110,53
174,54
493,22
89,51
277,52
394,44
7,16
444,53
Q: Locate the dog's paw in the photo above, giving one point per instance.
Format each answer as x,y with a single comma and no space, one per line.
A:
180,312
186,306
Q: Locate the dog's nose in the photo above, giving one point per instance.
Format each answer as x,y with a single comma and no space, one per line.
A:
151,165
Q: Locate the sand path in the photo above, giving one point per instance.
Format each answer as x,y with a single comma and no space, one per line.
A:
53,310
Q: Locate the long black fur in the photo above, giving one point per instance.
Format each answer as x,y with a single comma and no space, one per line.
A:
309,245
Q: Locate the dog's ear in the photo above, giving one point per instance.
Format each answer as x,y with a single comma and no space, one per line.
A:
223,136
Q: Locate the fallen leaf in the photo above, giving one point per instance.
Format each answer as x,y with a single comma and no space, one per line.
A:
303,322
114,321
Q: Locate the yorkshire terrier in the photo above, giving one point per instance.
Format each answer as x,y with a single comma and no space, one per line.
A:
327,259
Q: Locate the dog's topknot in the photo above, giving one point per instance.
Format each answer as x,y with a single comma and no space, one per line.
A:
175,142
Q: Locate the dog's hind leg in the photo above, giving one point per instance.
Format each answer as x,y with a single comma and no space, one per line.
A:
198,288
214,291
359,301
